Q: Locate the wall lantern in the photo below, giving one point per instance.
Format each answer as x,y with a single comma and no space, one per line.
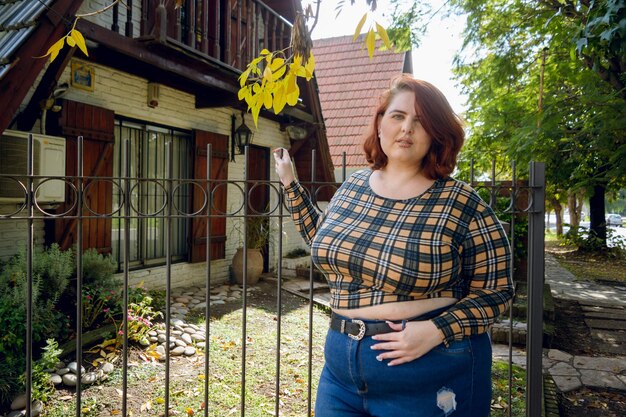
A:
296,132
241,137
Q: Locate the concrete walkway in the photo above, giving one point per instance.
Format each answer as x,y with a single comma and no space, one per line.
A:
604,308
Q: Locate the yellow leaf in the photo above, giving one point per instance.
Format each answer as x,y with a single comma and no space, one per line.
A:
370,42
71,42
264,52
80,41
267,74
383,35
292,84
159,400
309,67
115,412
53,51
278,67
292,98
357,31
267,99
255,115
189,411
244,77
279,98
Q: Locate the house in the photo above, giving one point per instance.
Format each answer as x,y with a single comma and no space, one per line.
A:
156,77
350,85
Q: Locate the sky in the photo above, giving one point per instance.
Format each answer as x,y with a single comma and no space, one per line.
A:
432,61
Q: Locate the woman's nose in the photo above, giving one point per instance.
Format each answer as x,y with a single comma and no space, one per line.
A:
407,126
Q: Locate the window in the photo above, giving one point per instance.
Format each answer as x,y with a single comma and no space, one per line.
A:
147,171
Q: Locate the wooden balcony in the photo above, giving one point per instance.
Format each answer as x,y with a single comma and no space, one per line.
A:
231,32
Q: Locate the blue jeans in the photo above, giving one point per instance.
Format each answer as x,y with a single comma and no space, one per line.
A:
453,381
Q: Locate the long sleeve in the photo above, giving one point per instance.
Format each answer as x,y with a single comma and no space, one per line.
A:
486,269
304,214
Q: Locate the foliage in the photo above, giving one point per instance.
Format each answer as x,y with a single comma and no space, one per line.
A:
587,241
139,320
296,253
499,402
100,288
51,269
530,98
42,388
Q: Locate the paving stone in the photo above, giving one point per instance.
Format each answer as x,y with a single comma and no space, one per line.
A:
606,324
601,379
560,356
567,383
563,369
615,365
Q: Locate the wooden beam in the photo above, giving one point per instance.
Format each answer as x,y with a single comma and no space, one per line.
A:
162,57
17,82
31,113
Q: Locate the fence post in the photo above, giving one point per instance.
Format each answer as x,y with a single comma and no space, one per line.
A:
535,280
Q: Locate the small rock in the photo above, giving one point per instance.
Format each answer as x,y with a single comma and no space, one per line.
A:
69,379
59,365
89,378
201,345
186,338
56,379
189,351
181,342
107,367
19,402
198,337
177,351
63,371
178,322
73,367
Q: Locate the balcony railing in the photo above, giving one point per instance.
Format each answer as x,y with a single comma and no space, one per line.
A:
230,31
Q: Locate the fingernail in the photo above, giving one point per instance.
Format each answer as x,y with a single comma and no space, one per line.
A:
379,359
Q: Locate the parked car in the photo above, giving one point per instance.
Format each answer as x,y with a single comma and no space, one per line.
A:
613,219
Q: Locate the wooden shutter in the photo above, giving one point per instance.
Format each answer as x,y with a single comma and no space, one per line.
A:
219,171
96,125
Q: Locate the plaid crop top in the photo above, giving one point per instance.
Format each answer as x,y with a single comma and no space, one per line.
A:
444,243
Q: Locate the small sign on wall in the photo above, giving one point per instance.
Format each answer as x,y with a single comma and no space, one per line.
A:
83,76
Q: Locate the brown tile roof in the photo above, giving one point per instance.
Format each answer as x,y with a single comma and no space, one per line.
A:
349,86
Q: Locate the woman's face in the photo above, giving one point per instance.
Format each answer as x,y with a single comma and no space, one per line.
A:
402,136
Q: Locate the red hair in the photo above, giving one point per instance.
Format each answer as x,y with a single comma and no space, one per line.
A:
436,116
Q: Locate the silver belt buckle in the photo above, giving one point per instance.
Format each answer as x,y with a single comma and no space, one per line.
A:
361,333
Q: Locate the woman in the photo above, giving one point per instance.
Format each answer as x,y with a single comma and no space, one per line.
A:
417,264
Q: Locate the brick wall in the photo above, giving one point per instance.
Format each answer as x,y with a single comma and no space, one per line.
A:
13,233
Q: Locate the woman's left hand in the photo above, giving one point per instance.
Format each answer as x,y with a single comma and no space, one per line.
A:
401,346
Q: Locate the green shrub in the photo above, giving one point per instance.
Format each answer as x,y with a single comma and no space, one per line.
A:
42,388
51,270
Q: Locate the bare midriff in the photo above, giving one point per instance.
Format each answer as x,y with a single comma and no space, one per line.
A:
402,310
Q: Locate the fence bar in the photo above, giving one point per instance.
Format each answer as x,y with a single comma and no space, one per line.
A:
168,270
512,271
311,266
207,294
534,336
29,274
127,188
279,303
244,323
79,273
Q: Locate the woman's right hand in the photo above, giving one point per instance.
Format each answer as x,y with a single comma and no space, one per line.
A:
283,165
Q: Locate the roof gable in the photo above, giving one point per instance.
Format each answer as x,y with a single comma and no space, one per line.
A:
349,87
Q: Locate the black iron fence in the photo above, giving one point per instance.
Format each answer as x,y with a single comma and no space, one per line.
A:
523,198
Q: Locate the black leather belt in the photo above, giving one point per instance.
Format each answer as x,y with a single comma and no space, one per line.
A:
358,329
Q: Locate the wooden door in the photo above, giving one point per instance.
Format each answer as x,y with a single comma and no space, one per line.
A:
219,171
259,195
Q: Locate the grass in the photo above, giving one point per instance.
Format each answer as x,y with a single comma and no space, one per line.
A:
604,267
146,379
500,397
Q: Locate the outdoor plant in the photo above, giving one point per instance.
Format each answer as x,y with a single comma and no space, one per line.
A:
51,268
140,319
100,288
42,388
